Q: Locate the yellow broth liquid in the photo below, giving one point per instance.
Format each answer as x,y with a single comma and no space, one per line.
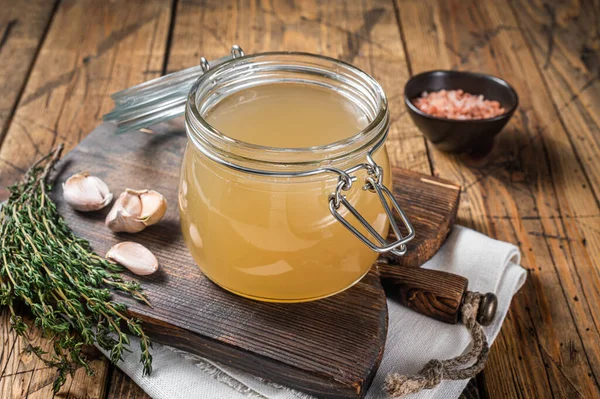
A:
274,239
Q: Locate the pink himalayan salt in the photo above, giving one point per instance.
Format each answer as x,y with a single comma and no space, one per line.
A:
456,104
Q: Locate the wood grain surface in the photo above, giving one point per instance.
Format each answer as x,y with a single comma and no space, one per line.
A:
90,49
22,30
538,189
533,190
430,292
433,203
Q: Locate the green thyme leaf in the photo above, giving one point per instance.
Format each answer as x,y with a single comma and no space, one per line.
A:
63,284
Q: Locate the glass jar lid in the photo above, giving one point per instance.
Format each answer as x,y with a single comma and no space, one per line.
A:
161,99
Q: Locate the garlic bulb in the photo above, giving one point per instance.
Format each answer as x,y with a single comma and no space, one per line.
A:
135,257
86,193
134,210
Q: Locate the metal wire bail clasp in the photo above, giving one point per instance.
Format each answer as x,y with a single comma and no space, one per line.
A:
374,184
236,52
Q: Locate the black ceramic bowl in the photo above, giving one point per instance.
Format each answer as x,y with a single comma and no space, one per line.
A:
454,135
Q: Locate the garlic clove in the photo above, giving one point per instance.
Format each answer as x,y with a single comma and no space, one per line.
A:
154,207
124,215
131,202
86,193
135,257
134,210
120,221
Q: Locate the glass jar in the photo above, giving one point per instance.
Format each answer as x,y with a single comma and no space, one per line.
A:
287,224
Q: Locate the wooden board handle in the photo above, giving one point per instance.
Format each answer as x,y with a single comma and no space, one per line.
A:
434,293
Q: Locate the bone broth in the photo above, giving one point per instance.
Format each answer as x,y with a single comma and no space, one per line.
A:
287,116
257,220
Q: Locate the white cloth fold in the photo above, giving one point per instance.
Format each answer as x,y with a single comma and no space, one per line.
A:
413,339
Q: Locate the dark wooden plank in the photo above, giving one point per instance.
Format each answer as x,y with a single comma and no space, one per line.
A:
22,28
433,205
433,293
532,191
330,347
92,49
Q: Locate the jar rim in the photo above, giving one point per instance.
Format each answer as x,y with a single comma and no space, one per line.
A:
202,133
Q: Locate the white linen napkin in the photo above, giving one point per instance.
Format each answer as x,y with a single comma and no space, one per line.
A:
413,339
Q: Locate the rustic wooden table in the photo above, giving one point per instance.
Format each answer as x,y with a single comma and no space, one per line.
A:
539,188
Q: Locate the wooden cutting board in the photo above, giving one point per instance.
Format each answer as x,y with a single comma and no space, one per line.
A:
329,348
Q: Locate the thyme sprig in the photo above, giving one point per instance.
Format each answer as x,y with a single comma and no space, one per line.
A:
56,276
